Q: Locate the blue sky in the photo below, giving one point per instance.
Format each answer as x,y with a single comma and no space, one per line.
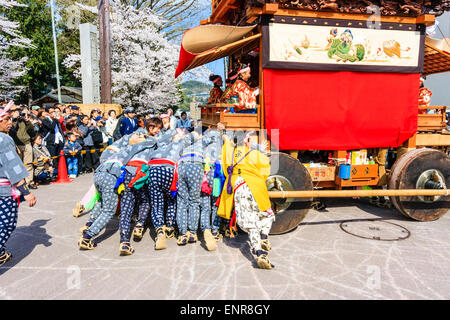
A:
439,83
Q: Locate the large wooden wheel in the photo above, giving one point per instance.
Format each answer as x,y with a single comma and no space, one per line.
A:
421,169
288,174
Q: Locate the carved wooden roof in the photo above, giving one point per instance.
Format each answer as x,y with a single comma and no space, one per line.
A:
437,56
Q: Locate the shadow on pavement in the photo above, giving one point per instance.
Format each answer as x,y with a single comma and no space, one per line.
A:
23,241
241,242
111,228
364,205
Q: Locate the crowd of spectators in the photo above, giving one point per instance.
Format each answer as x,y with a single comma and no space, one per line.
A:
42,134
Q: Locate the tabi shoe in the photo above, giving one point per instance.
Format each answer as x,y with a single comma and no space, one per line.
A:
126,249
78,209
383,203
263,261
138,232
374,201
182,240
217,236
5,257
86,227
210,241
318,205
86,243
160,241
265,245
170,232
192,237
231,234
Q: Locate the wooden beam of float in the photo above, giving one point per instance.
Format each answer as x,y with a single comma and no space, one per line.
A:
273,9
357,193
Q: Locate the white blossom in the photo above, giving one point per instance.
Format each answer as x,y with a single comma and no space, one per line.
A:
10,37
73,62
143,61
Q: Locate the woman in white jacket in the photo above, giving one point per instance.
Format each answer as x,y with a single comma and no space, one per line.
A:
110,126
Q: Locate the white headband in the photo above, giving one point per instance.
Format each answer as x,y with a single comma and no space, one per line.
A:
4,112
244,70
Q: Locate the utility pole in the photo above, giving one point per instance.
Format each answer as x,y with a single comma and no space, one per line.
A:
105,50
56,52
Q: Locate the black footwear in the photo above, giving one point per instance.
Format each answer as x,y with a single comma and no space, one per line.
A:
5,257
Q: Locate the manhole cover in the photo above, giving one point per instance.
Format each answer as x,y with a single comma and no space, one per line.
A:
375,230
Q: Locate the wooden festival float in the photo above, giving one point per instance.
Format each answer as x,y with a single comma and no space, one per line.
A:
341,77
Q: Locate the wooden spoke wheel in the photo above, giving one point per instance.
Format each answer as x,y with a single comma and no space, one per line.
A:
421,169
288,174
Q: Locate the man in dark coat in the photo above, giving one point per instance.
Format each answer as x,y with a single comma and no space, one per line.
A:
52,134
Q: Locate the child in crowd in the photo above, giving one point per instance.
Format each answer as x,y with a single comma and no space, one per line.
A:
71,149
43,170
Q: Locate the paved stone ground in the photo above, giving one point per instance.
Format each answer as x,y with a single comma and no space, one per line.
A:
318,260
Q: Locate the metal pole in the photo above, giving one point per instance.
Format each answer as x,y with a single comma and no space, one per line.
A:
56,52
105,51
225,65
357,193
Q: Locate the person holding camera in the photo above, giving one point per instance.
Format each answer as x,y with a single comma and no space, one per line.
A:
52,134
101,126
22,132
92,139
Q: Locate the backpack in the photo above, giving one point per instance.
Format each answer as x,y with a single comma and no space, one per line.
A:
97,137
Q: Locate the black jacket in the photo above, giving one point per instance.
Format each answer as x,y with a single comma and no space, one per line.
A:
48,130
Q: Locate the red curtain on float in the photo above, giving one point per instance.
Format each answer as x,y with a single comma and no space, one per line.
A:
324,110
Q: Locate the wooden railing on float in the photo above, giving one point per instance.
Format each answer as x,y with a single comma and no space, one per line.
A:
432,121
214,113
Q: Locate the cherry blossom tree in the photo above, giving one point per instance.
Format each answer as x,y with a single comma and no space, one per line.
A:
143,60
10,37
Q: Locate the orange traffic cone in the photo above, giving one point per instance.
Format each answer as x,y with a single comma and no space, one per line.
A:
62,170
